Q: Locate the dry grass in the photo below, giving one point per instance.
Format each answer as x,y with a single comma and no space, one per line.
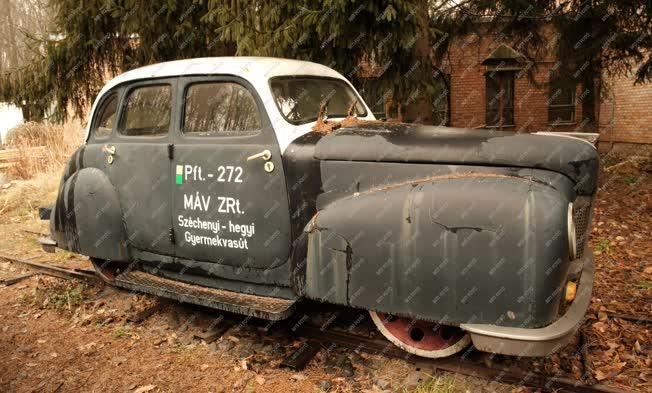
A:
25,197
38,175
59,142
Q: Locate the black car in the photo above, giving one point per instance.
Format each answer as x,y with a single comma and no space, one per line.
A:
202,180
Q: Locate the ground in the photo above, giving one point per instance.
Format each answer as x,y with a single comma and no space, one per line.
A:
58,335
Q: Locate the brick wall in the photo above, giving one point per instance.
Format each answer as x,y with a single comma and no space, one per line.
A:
626,111
468,95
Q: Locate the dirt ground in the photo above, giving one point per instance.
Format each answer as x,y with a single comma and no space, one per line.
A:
63,336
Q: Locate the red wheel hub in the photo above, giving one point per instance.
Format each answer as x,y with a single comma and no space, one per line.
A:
422,338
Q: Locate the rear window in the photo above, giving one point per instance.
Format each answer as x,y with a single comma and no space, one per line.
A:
220,109
147,111
106,116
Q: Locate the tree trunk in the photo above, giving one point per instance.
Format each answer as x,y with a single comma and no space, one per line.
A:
11,50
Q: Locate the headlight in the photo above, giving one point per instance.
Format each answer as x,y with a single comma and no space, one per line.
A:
572,234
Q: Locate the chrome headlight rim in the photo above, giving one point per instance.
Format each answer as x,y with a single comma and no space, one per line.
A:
572,233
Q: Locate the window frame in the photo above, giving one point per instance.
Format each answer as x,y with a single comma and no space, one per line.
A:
117,93
299,123
554,81
183,101
170,82
266,136
503,76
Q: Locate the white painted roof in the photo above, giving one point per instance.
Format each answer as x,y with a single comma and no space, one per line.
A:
256,70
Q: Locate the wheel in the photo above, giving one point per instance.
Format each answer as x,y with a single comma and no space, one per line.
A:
421,338
108,270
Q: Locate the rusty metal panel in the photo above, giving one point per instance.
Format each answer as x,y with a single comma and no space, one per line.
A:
442,250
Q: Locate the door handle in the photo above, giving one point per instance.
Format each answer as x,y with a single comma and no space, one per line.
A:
109,149
265,155
111,152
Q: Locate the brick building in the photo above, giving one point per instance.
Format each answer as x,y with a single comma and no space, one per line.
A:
625,112
487,84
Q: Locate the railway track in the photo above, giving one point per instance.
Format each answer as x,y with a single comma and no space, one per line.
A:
318,338
459,364
53,270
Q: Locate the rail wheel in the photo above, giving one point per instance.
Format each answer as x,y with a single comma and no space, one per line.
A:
421,338
108,270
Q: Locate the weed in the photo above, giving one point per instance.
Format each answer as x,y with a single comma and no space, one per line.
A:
62,255
611,159
603,246
122,332
630,180
66,297
57,294
437,384
644,285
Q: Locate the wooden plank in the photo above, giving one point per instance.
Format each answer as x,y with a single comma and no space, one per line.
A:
300,358
14,154
214,332
145,313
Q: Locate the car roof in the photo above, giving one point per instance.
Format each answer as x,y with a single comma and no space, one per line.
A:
256,70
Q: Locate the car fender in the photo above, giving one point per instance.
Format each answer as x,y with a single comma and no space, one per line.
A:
459,248
87,217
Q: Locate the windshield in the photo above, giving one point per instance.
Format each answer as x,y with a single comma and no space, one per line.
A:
299,99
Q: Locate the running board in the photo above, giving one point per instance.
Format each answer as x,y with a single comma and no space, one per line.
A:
270,308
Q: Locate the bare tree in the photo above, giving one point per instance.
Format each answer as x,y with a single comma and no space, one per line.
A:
24,25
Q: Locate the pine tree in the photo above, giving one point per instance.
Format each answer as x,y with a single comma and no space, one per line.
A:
401,39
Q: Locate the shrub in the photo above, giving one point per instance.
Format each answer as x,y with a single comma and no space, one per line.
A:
41,147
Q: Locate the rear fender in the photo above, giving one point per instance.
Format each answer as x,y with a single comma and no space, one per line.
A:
87,217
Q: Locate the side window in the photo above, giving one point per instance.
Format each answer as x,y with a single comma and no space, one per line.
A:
147,111
106,116
220,109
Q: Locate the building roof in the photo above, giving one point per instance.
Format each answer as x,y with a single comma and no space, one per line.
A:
504,53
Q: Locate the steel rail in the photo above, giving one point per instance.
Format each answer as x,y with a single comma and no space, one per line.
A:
54,271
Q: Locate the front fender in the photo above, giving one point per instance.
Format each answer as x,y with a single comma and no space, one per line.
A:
87,217
459,248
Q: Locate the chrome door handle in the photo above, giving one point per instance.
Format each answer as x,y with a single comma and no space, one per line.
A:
265,155
111,152
109,149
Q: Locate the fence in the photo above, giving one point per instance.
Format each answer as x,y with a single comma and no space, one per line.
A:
9,156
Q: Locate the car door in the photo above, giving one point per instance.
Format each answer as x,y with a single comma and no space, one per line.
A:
139,166
230,198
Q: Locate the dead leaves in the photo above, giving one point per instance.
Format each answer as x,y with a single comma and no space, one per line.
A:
325,127
616,352
145,389
609,372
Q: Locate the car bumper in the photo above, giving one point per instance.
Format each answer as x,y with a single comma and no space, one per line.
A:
540,341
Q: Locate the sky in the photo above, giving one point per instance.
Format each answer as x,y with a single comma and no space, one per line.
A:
10,116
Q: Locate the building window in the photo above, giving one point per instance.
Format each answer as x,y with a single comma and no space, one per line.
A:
441,102
499,99
561,101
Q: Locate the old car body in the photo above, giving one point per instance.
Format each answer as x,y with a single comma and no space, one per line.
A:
206,172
